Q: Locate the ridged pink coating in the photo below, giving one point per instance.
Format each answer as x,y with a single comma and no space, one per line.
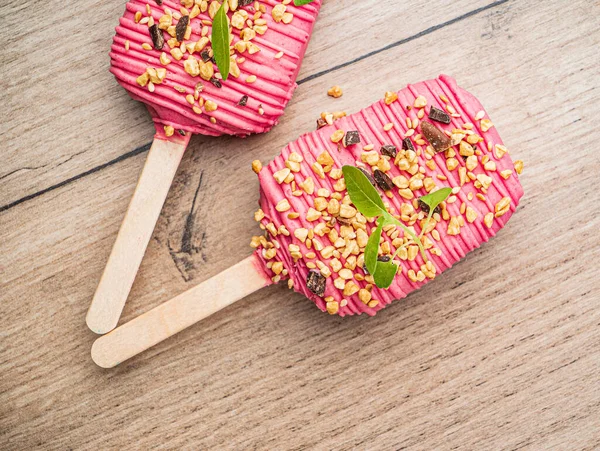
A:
369,122
276,78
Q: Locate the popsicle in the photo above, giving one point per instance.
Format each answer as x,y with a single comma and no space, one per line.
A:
162,55
428,137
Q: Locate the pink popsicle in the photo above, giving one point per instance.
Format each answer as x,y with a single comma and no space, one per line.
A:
162,55
272,52
311,227
485,183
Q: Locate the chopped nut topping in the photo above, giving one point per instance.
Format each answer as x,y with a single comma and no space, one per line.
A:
420,102
169,130
471,215
335,91
332,307
519,166
337,136
488,219
502,206
209,105
301,233
486,124
312,215
390,97
256,166
283,205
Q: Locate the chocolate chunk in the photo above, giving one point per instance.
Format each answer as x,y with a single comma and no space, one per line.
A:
159,2
321,123
315,282
407,144
383,181
380,258
437,138
389,150
205,55
158,39
351,137
245,2
181,27
243,101
426,209
368,175
435,114
215,81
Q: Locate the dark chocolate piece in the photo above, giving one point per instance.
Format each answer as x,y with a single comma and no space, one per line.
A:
245,2
315,282
321,123
205,55
158,40
426,209
369,176
159,2
437,138
407,144
243,101
351,137
389,150
382,179
181,27
215,81
435,114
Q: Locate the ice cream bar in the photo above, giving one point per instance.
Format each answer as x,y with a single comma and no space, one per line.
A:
163,55
428,136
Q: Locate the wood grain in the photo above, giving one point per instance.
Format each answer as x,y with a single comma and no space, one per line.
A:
501,352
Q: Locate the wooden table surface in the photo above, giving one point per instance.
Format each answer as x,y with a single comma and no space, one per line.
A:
500,352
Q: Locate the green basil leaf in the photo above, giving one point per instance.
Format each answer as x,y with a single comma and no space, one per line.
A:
363,195
437,197
384,276
220,41
372,249
302,2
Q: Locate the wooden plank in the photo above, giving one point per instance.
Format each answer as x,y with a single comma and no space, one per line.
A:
501,352
74,103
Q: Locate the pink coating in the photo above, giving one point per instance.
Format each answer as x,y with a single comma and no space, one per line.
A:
275,84
369,122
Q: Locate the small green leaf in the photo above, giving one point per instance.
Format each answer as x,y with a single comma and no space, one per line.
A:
363,195
437,197
372,249
302,2
384,276
220,41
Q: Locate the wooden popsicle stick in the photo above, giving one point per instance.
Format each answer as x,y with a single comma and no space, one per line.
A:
135,232
180,312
